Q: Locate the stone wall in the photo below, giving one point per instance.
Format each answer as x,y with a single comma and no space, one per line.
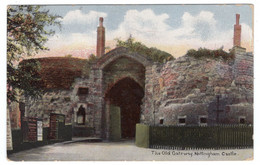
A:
194,88
152,96
54,101
187,87
65,102
91,102
243,68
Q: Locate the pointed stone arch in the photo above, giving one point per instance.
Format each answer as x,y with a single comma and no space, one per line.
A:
121,52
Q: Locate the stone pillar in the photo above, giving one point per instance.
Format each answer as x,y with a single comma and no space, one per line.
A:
107,118
147,114
98,102
237,32
100,38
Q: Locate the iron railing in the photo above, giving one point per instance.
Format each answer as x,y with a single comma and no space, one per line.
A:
201,137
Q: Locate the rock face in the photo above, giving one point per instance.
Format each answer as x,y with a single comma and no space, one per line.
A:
195,89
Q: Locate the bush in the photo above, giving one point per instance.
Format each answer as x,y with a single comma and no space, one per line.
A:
213,54
153,53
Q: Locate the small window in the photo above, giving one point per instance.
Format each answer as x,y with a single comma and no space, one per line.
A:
203,120
161,121
82,91
242,120
182,120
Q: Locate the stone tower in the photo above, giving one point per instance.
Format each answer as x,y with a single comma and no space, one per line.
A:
100,38
237,32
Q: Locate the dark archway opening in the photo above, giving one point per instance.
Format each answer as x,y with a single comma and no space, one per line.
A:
127,94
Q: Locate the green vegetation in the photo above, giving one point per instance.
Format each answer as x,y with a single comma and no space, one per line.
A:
92,58
28,78
213,54
86,69
27,32
153,53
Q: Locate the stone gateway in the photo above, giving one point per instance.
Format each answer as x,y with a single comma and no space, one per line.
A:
123,88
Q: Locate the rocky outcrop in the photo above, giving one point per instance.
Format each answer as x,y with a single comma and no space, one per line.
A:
193,87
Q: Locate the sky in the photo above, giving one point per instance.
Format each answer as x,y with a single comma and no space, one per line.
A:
171,28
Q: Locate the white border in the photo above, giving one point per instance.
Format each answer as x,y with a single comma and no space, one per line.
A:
3,5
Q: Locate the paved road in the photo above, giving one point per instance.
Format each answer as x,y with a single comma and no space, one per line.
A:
125,150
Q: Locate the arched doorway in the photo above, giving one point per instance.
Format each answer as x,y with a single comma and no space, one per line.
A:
81,116
127,94
108,71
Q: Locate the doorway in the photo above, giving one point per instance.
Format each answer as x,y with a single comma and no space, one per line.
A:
126,94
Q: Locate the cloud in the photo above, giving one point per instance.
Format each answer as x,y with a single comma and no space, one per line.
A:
72,39
194,30
200,31
247,37
77,17
76,44
152,29
200,26
144,24
247,33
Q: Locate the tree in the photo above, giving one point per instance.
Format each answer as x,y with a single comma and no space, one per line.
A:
155,54
27,30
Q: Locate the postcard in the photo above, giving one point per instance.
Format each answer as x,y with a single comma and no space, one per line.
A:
140,82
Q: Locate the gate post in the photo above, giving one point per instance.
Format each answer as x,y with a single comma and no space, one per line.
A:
142,135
